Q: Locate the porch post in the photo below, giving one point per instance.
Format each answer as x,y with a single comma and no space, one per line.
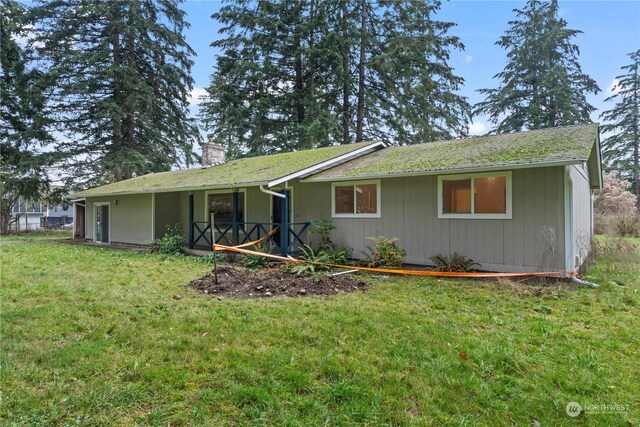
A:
234,220
284,224
190,221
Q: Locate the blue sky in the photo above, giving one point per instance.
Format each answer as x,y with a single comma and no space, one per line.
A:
611,30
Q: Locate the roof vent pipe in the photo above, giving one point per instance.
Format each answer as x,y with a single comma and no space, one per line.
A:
212,154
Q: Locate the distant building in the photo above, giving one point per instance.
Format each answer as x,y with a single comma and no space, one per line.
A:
33,215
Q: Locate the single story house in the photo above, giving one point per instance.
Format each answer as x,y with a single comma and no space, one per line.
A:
514,202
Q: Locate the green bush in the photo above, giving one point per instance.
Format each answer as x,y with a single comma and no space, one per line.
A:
208,259
255,261
627,226
324,229
172,243
387,253
454,263
328,255
617,225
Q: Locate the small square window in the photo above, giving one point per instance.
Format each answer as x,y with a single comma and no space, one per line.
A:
361,199
482,195
221,205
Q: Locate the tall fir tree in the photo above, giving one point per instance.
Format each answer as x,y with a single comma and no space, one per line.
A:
621,150
542,84
23,121
122,81
306,74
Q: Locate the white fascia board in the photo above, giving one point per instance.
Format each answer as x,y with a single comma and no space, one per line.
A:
178,190
596,148
328,163
449,171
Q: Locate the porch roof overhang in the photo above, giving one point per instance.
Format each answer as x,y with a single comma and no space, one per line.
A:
270,170
538,148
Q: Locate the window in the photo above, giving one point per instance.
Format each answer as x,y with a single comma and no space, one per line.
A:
483,195
357,199
221,205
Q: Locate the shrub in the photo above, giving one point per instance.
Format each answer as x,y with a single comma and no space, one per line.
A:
627,226
172,243
614,198
300,268
322,256
255,261
324,229
618,225
208,259
453,263
387,253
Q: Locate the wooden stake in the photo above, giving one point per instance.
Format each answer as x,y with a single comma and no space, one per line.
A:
213,245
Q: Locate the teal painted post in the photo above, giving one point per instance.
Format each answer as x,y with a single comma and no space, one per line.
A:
190,221
234,222
284,224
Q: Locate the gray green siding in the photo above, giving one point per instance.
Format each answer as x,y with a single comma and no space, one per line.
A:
532,240
167,212
130,219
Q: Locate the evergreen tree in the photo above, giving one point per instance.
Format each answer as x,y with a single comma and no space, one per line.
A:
310,73
23,123
621,150
122,80
542,84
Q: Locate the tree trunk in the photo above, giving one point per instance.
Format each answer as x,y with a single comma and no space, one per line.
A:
117,90
636,144
299,86
129,124
361,72
346,89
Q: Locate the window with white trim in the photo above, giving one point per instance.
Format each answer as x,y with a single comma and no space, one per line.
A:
356,199
221,204
482,195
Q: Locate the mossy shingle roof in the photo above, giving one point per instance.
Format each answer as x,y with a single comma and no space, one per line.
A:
572,144
246,171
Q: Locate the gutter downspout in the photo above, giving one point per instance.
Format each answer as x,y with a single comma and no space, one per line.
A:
583,282
273,193
284,220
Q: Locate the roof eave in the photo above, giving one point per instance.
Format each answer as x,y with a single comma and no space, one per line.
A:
170,190
448,171
594,164
328,164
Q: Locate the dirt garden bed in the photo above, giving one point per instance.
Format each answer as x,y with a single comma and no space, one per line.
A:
245,283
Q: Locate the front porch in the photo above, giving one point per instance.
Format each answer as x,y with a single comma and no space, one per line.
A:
227,220
200,235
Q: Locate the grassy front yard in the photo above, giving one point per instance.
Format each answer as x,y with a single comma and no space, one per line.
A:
94,336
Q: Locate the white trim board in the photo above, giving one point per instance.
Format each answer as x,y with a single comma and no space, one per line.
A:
569,258
153,216
327,164
95,222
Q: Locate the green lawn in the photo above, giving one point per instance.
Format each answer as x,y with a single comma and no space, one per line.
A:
93,336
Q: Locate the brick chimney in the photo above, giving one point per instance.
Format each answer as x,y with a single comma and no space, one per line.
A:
212,154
